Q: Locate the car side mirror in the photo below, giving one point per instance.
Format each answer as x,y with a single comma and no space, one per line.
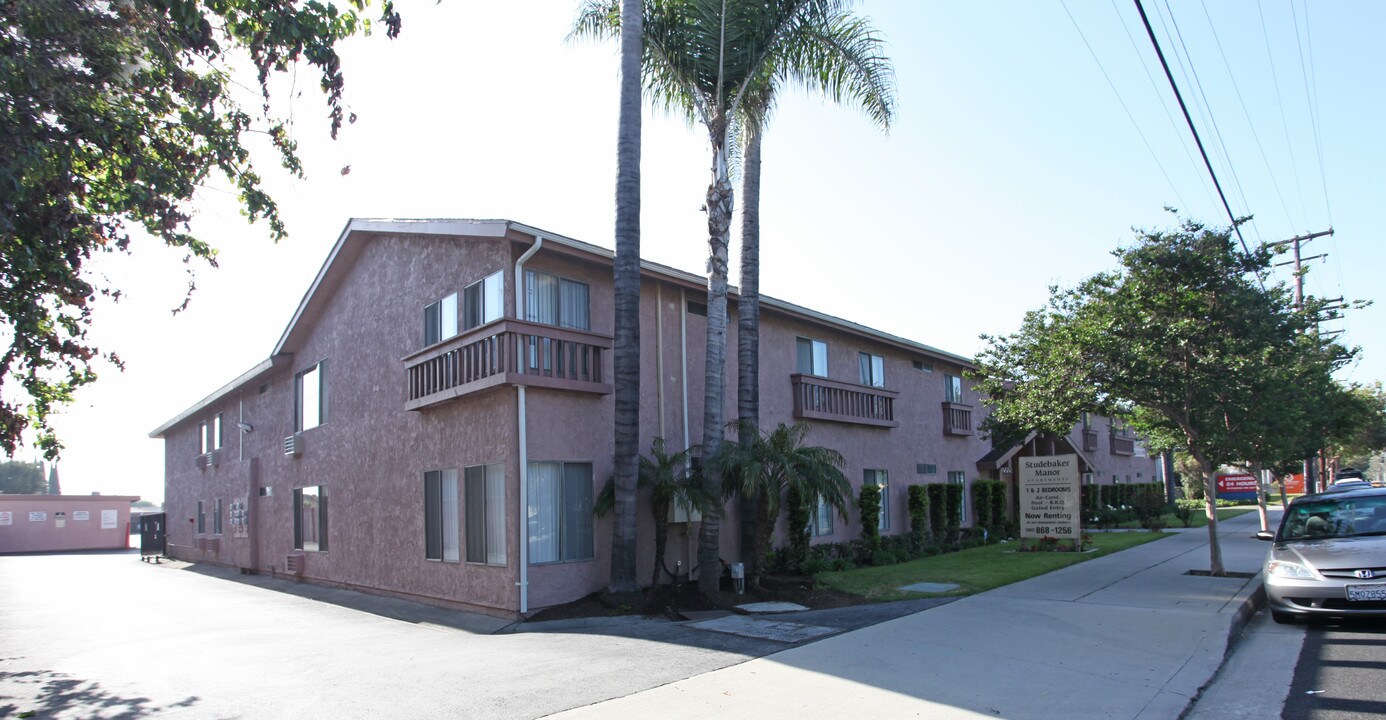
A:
1265,535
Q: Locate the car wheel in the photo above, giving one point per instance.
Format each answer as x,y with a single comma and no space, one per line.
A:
1283,618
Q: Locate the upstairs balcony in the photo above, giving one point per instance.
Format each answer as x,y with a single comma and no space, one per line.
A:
957,419
1089,440
818,398
1123,445
508,352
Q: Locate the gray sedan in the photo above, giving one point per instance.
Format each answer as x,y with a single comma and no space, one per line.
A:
1329,556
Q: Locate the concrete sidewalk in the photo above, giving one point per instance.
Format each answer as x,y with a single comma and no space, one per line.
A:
1129,635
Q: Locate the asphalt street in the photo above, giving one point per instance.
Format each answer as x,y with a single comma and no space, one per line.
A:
1341,673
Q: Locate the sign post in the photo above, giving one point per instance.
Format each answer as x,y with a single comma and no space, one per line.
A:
1049,498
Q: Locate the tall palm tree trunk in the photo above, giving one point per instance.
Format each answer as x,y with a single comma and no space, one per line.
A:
748,329
626,269
661,530
719,216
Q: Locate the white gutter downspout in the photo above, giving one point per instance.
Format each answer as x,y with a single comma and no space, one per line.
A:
524,438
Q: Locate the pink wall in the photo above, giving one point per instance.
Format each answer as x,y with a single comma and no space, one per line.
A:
46,523
371,454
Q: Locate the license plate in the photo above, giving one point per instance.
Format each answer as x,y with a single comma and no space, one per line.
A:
1366,592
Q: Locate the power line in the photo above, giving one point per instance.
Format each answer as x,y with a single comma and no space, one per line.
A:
1189,120
1164,104
1212,121
1310,99
1250,123
1129,116
1284,124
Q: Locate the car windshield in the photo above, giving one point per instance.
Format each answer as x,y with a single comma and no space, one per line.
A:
1329,518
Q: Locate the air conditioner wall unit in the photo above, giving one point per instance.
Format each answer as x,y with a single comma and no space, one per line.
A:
200,461
293,445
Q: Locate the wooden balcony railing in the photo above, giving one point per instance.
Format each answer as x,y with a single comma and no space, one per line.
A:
1123,445
1089,440
957,419
508,352
817,398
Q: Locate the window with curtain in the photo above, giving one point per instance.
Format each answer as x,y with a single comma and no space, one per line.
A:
952,388
310,518
442,537
440,320
881,479
552,300
310,397
958,477
822,517
811,357
872,369
560,512
485,501
484,300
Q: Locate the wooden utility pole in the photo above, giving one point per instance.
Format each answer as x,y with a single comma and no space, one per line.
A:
1311,464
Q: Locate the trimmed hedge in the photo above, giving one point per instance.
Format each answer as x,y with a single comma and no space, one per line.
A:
938,509
869,502
954,497
919,514
989,507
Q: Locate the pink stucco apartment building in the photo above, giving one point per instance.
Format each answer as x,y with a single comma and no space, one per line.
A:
436,419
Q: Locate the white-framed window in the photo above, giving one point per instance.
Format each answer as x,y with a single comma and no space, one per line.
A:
822,518
202,432
485,503
560,512
811,356
881,479
952,388
201,519
310,397
310,518
216,432
553,300
440,320
958,477
484,300
442,516
872,369
1089,478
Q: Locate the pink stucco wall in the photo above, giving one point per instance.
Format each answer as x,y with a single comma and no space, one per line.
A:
371,453
47,523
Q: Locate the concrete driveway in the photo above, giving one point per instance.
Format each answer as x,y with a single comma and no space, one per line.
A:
103,635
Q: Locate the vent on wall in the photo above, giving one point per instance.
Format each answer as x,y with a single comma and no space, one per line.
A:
201,461
293,445
214,458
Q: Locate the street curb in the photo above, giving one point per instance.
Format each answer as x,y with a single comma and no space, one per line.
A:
1251,602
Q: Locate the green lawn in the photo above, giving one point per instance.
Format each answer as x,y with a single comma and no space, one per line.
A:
1199,519
975,570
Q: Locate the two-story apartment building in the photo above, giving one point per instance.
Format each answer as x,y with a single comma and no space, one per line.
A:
436,419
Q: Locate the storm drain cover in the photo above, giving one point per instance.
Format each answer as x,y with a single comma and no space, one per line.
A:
779,631
928,587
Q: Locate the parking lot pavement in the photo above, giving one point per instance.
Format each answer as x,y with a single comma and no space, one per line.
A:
102,635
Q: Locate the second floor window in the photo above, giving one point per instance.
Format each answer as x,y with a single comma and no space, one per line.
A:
811,357
872,370
440,320
310,397
952,388
553,300
484,301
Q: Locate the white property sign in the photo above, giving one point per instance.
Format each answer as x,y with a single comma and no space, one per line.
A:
1049,497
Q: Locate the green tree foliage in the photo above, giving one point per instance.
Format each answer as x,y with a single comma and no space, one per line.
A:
22,478
1363,434
54,486
670,483
1184,339
869,507
114,113
776,465
919,515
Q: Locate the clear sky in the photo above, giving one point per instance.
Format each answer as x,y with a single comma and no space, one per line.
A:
1012,166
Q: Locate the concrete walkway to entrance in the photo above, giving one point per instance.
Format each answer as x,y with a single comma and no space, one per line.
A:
1129,635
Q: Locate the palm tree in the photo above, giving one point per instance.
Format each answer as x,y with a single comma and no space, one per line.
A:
701,57
853,69
626,279
670,482
776,465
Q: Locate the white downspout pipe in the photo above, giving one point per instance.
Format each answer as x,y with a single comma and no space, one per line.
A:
523,502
